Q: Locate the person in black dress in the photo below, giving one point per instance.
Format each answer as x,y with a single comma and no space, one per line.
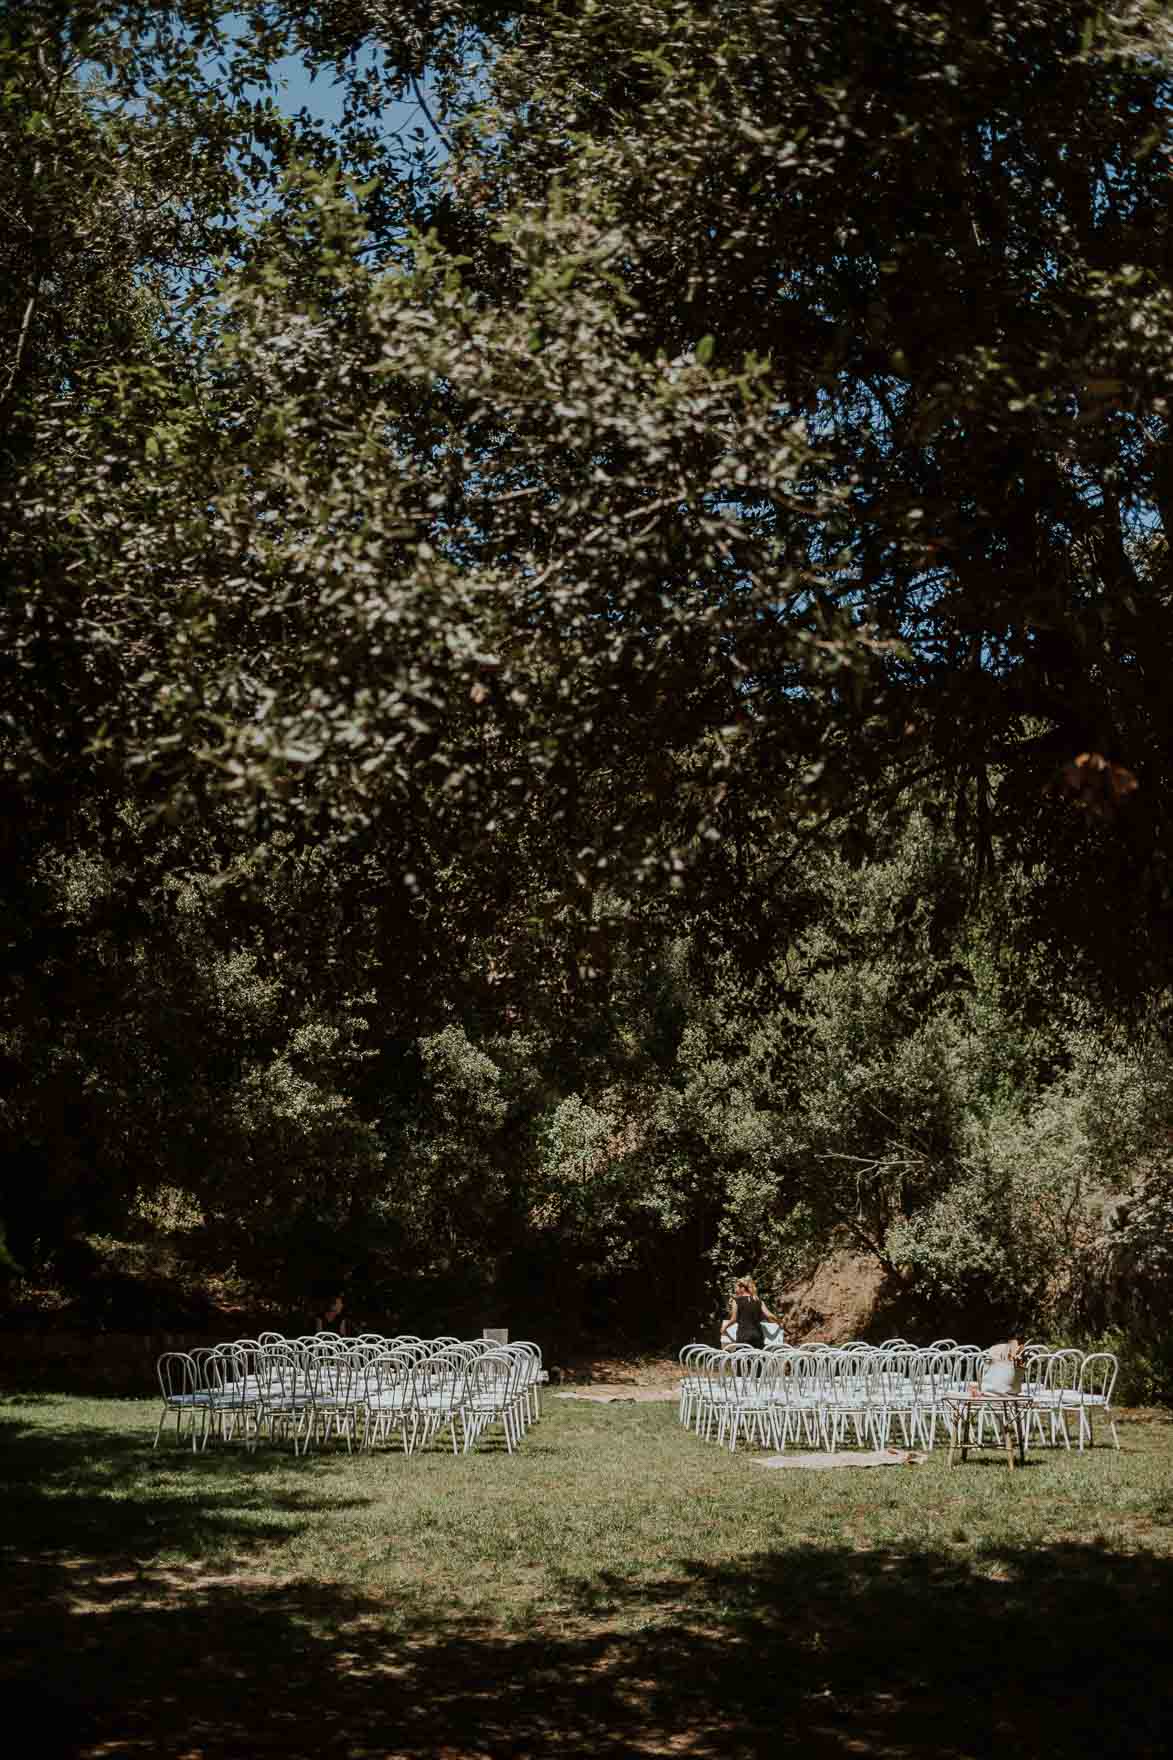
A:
747,1311
332,1318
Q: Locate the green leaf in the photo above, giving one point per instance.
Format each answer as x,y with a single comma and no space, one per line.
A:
704,350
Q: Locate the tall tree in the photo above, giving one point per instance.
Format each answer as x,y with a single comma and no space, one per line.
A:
747,423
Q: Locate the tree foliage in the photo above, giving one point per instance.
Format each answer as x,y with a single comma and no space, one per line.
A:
480,604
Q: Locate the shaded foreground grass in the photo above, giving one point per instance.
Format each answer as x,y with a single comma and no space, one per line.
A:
617,1588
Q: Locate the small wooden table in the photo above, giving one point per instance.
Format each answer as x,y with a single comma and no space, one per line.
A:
1009,1410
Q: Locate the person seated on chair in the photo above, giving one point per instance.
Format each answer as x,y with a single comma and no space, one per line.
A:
746,1312
1002,1374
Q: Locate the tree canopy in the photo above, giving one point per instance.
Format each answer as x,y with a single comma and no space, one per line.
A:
478,598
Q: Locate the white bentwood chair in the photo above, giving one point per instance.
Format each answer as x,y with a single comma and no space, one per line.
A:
493,1396
185,1395
1092,1396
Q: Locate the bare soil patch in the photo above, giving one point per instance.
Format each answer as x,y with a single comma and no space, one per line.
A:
836,1302
603,1393
616,1372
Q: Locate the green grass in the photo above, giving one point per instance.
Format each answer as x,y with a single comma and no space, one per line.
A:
616,1588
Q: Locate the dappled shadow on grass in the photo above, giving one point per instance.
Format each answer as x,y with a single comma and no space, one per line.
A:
830,1650
74,1492
886,1654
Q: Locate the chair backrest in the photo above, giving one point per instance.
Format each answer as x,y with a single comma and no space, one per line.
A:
229,1356
855,1379
389,1376
440,1380
204,1356
775,1376
916,1366
239,1380
416,1348
494,1375
739,1374
942,1374
179,1377
331,1376
708,1368
1097,1376
451,1354
399,1360
1062,1372
278,1367
366,1351
969,1360
725,1376
529,1359
805,1367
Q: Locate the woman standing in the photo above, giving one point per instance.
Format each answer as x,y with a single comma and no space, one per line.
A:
746,1312
332,1318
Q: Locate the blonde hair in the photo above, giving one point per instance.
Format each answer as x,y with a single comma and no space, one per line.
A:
746,1285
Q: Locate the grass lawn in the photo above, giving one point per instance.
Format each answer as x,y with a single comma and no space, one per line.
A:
616,1588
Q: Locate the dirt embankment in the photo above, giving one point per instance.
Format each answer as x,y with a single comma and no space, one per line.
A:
834,1304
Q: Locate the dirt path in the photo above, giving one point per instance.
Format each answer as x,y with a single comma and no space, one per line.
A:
607,1394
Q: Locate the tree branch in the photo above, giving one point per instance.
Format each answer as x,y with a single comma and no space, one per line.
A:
435,126
8,395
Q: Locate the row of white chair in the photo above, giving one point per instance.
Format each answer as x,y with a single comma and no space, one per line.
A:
1058,1382
826,1395
361,1391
